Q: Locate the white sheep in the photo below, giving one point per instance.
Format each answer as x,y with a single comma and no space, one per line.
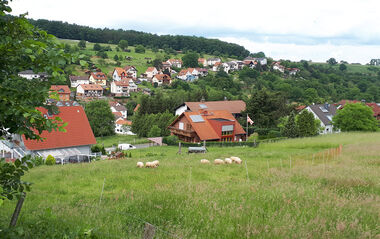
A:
228,161
204,161
149,165
140,164
218,161
156,163
236,160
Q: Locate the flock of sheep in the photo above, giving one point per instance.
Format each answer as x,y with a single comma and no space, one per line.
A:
153,164
229,160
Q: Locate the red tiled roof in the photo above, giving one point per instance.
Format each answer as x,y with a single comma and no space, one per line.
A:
183,72
136,108
174,61
60,89
150,69
117,114
99,75
123,122
78,131
233,106
127,68
120,71
91,87
161,77
205,129
122,83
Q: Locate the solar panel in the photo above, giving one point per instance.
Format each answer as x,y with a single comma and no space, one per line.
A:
203,106
197,118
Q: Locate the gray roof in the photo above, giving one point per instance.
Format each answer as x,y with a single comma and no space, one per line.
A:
30,72
324,112
120,108
75,78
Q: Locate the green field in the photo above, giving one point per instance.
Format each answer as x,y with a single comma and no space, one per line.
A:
284,192
138,59
354,68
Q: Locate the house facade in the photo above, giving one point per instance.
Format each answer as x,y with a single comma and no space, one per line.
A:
63,91
324,113
89,91
162,79
120,88
212,61
29,74
78,80
98,78
205,125
150,72
77,139
175,63
119,74
131,71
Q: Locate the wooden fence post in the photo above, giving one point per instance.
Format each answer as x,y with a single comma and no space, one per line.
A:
17,210
149,231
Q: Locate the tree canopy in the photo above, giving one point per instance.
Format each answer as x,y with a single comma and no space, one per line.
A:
355,117
100,117
190,59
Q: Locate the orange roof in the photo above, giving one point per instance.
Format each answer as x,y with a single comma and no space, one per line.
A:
174,61
136,108
99,75
91,87
127,68
183,72
217,63
122,83
123,122
120,71
117,114
60,89
205,129
233,106
151,69
161,77
201,60
78,131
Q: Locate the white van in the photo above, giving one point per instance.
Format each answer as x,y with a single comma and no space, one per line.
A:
126,146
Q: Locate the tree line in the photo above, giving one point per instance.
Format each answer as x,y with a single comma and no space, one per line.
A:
106,35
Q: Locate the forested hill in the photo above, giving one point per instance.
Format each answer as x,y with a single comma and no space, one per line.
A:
178,42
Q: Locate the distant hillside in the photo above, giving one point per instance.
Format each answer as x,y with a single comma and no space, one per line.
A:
97,35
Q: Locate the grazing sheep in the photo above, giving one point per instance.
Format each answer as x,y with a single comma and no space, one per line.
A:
228,161
140,164
236,160
149,165
204,161
156,163
218,161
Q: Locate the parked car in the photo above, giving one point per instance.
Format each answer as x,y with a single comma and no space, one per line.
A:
126,146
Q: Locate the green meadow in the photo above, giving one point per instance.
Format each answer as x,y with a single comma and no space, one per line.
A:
294,188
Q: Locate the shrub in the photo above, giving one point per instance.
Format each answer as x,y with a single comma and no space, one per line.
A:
170,140
38,160
50,160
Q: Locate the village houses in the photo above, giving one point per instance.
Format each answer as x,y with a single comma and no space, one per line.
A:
63,91
78,80
98,78
162,79
120,88
150,72
89,91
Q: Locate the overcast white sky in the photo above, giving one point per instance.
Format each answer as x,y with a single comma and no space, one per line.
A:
293,29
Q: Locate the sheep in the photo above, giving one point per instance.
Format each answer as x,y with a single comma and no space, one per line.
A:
149,165
236,160
204,161
140,164
228,161
156,163
218,161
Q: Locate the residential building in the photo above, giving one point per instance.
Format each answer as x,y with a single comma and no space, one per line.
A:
293,71
76,140
216,66
175,63
78,80
132,86
118,108
123,126
62,90
375,107
235,107
204,125
120,88
119,74
29,74
150,72
278,67
98,78
202,61
212,61
131,71
324,113
162,79
89,91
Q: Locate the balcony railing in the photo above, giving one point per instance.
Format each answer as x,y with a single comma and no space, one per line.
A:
188,133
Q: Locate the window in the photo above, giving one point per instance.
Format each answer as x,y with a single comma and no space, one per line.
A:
180,125
227,132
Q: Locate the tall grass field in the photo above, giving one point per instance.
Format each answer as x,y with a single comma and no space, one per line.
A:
297,188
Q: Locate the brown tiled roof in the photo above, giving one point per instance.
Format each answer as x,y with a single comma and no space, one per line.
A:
205,130
91,87
150,69
120,71
117,114
99,75
233,106
127,68
123,122
122,83
60,89
161,77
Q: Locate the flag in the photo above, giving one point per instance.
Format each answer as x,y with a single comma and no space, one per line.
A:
249,120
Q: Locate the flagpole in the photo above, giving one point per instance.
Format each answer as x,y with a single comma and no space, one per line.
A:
246,139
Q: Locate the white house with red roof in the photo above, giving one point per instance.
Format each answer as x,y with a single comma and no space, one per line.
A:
119,74
63,91
77,139
150,72
91,90
123,126
162,79
131,71
175,63
98,78
78,80
120,88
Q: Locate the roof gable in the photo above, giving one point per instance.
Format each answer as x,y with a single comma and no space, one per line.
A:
233,106
78,131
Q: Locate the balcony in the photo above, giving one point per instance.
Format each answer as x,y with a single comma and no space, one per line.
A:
187,133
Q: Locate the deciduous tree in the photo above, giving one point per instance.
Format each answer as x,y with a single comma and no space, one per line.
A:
355,117
101,119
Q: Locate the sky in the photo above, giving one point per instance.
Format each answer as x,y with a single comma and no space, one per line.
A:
294,29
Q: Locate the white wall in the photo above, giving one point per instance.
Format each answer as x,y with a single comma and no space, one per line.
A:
180,110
